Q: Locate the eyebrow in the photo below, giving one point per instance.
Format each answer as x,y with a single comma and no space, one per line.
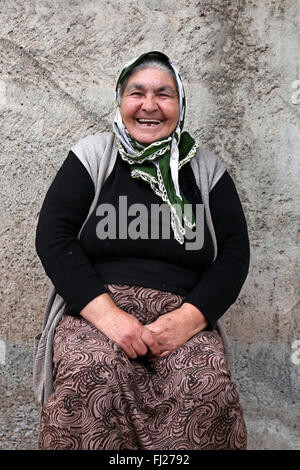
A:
138,86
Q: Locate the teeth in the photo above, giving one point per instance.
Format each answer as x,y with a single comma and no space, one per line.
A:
149,121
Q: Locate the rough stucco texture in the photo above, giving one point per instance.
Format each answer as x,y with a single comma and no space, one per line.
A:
240,64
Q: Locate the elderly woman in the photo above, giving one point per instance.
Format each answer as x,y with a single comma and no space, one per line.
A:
138,356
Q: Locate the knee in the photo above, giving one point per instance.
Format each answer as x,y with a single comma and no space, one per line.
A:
89,363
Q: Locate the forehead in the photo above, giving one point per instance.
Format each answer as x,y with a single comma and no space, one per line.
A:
151,77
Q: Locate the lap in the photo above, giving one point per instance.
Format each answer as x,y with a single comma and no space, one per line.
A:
185,399
80,348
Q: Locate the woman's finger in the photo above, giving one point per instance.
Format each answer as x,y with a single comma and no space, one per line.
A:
139,347
149,339
129,351
165,353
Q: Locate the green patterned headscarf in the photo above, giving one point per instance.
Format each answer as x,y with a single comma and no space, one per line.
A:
159,162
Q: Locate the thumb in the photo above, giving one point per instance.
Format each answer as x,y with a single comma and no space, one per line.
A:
149,327
151,341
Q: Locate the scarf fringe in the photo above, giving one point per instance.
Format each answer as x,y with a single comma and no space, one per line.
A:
159,188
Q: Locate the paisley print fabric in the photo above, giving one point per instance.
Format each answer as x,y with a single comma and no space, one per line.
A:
103,400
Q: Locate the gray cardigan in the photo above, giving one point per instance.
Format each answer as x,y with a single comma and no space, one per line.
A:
98,154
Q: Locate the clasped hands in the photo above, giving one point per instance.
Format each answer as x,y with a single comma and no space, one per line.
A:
159,338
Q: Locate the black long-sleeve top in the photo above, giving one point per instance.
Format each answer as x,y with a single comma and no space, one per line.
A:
79,268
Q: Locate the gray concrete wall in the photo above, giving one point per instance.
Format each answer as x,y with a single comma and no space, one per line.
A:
239,60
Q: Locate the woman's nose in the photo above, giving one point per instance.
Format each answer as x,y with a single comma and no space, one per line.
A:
149,104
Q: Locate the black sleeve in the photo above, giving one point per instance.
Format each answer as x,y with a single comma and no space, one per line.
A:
222,282
63,212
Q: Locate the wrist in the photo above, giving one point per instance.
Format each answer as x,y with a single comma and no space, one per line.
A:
197,318
99,306
190,308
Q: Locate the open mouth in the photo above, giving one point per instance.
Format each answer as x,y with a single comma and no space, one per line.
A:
149,122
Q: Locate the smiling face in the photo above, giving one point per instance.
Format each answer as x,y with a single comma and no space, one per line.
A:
149,105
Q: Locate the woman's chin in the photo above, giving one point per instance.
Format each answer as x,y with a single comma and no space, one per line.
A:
147,138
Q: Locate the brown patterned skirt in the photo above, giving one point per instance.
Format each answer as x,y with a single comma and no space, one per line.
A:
103,400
